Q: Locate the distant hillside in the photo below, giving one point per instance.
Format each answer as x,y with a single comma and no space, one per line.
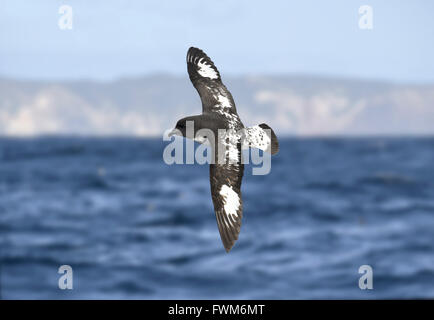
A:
147,106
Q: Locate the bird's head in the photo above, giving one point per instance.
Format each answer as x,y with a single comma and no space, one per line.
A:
194,127
180,128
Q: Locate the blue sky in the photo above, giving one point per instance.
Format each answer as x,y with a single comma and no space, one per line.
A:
112,39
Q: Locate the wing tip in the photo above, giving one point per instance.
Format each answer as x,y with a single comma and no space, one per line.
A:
193,53
228,240
229,246
228,243
191,49
200,65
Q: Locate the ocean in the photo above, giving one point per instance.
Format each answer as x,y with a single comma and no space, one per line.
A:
132,227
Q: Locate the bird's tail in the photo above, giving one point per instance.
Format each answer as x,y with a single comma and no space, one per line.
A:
261,137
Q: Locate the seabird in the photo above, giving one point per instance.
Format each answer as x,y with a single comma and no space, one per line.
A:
219,112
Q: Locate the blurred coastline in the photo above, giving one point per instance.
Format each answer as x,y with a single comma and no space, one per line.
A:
147,106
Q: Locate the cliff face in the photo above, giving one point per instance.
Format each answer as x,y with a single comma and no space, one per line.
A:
147,106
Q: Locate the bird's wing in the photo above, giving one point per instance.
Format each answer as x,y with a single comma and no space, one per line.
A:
208,83
226,195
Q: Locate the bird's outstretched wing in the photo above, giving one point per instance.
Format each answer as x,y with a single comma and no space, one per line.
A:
226,195
208,83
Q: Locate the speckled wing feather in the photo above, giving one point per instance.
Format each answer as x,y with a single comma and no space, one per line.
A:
207,81
226,175
261,137
226,196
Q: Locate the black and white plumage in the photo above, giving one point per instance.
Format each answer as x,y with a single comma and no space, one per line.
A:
219,112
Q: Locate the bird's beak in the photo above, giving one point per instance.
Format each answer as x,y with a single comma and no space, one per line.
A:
174,132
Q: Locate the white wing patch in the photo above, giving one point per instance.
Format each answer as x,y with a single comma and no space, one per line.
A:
231,200
225,108
224,101
205,70
256,137
228,141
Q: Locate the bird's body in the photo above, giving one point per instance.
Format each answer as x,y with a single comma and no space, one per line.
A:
220,116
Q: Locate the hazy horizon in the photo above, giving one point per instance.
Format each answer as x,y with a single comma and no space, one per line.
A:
147,106
180,76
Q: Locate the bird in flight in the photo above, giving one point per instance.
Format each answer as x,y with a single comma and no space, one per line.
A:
219,114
